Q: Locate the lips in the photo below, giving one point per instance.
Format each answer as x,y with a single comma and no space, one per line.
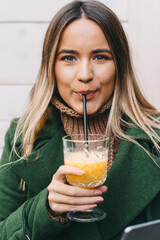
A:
89,94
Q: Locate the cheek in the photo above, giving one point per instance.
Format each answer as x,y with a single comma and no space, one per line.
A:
63,82
64,76
107,75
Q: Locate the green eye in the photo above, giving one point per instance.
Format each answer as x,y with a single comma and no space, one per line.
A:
68,58
101,57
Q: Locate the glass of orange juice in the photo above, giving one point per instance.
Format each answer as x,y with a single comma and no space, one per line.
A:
91,156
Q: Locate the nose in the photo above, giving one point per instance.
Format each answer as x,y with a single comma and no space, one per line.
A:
85,71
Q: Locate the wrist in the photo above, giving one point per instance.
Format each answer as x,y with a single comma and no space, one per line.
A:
58,217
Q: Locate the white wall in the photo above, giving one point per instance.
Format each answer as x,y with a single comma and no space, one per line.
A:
144,35
22,27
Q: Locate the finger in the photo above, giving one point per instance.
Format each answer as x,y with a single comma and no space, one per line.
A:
67,170
102,188
68,190
61,208
58,198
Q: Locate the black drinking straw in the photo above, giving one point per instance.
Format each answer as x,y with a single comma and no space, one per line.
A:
85,121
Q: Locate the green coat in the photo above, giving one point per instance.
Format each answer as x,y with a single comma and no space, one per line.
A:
133,194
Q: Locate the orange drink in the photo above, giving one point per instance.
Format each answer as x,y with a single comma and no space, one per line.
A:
93,163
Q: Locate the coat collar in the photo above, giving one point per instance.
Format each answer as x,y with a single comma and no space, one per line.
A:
48,148
133,180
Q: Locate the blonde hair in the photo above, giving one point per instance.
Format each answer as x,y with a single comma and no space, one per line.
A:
127,97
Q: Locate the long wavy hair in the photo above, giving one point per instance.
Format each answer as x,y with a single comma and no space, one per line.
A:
127,97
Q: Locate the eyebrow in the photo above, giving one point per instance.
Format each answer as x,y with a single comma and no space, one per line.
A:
67,51
99,50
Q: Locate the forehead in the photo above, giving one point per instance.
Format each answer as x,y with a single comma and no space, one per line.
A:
83,32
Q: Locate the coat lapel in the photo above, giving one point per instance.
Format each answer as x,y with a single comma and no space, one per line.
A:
133,181
38,173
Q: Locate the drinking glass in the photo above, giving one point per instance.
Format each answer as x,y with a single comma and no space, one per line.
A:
91,156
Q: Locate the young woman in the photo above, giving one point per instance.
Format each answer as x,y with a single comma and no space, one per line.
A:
85,52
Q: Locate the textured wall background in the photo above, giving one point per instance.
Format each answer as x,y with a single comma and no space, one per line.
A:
22,28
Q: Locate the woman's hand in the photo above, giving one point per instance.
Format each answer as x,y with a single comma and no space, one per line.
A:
63,197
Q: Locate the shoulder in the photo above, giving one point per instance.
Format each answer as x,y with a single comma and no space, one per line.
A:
52,128
149,138
136,132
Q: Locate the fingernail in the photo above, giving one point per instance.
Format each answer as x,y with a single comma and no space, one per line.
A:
104,189
98,192
99,199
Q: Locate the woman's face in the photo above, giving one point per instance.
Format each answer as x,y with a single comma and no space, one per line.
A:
84,65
